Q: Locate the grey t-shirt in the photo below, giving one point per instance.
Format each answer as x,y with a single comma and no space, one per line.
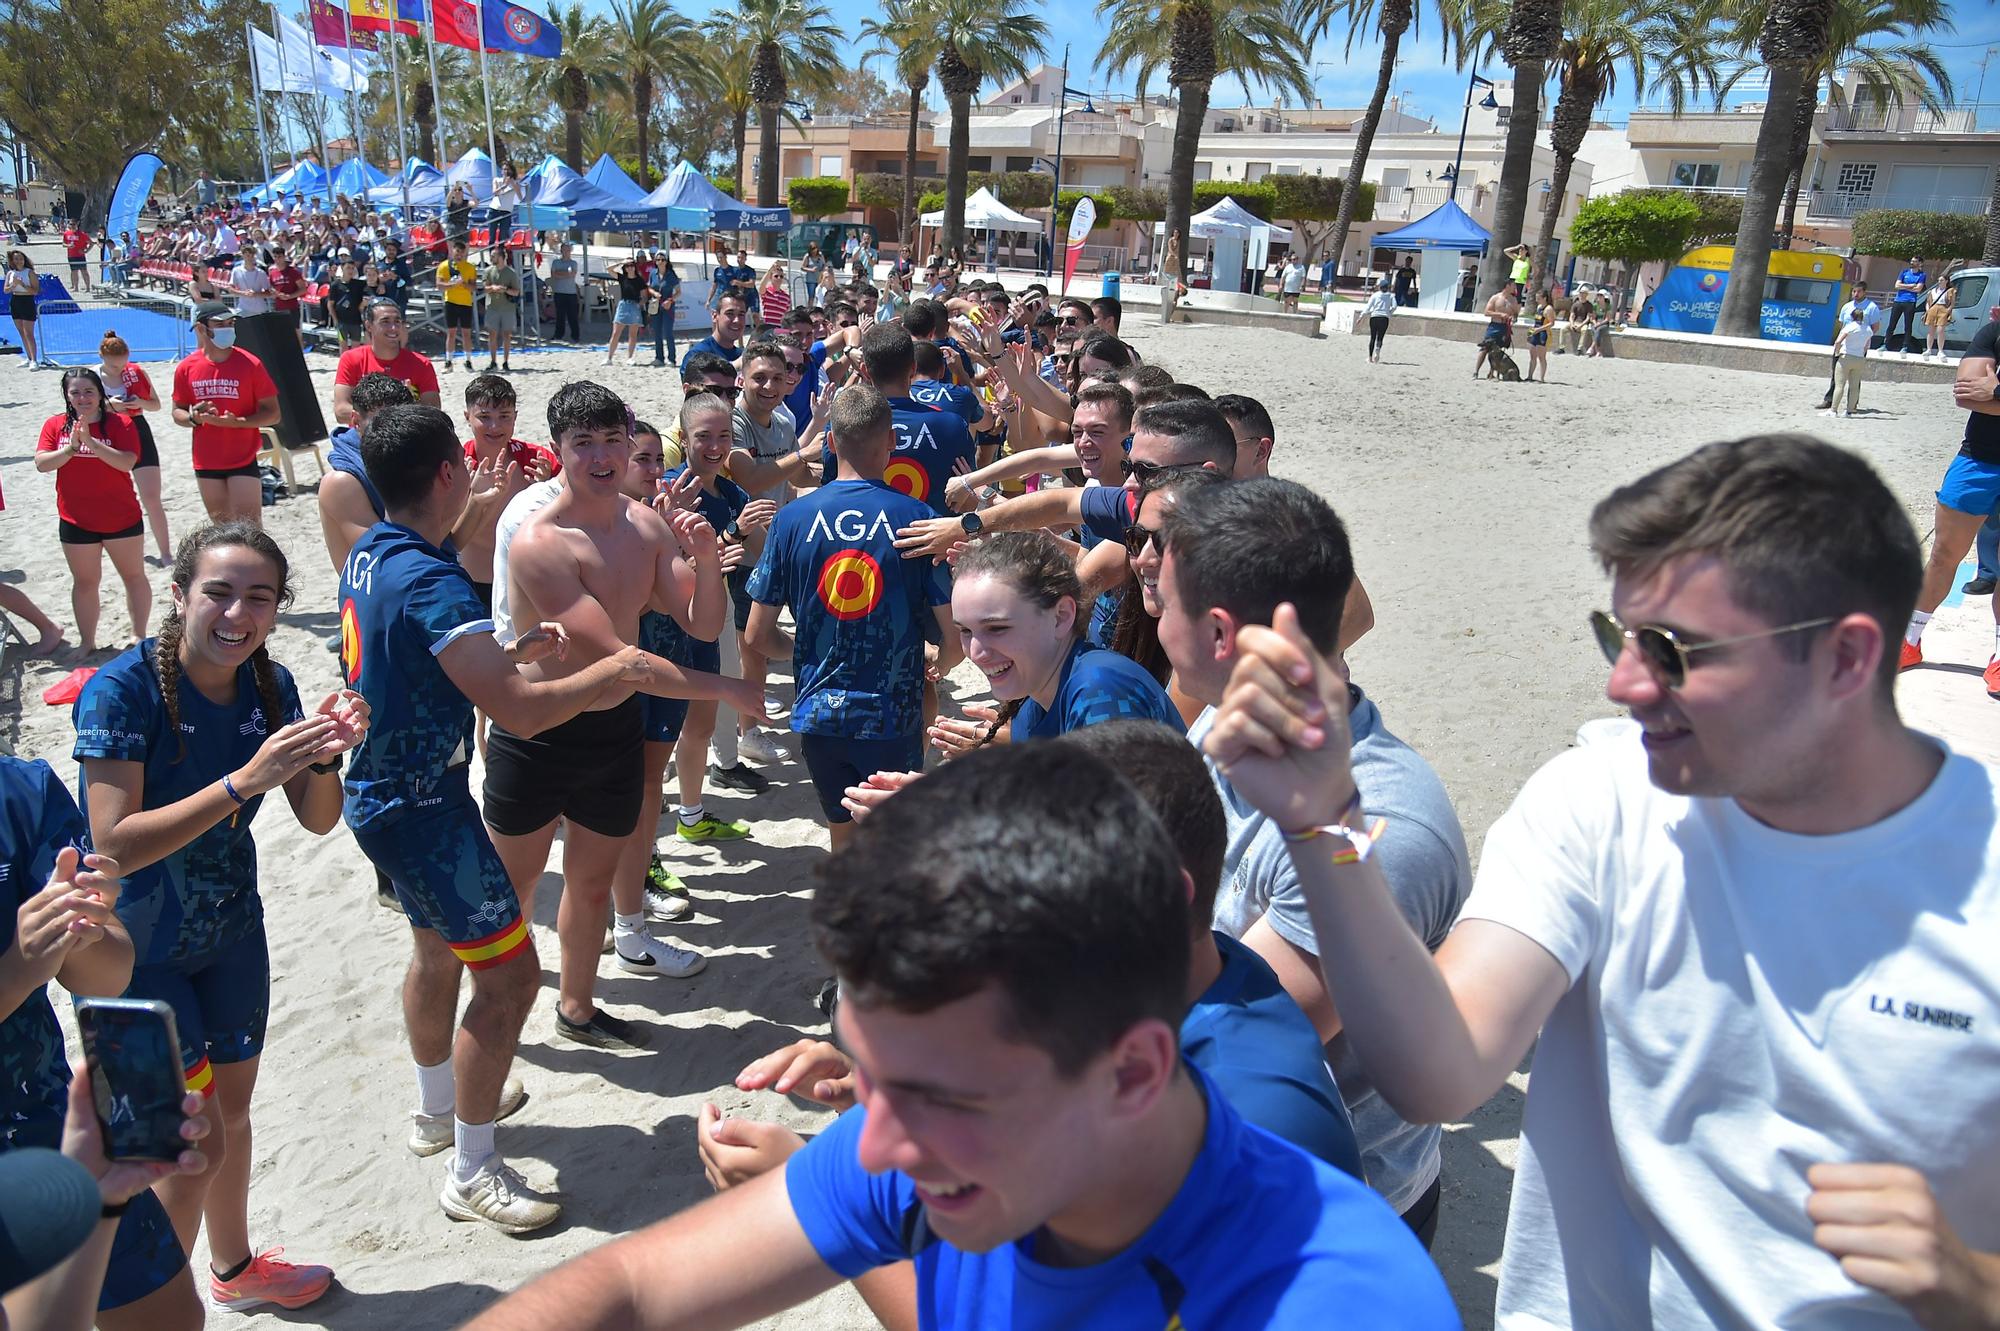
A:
778,438
562,277
1423,857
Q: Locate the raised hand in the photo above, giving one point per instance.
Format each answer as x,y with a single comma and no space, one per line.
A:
954,737
350,713
815,1069
1281,734
285,754
755,519
59,918
692,533
683,493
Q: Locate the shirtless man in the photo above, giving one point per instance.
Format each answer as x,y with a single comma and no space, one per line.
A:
1500,312
594,560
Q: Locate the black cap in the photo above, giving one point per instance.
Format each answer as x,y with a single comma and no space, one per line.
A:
213,309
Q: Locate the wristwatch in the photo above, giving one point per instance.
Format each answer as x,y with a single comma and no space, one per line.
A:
325,768
972,523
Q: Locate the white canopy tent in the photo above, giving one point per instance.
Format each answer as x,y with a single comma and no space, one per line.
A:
1239,239
984,212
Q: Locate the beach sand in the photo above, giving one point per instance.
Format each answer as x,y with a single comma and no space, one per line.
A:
1466,504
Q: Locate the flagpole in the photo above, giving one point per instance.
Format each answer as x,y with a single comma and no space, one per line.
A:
284,79
317,109
257,101
437,100
486,88
353,103
402,143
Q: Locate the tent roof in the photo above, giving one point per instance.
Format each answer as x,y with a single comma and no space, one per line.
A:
1231,213
356,176
687,189
1447,228
985,212
607,175
475,169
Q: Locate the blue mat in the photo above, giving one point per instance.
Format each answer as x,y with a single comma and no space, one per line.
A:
69,334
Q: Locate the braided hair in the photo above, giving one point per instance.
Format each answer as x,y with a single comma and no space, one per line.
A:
1038,567
167,647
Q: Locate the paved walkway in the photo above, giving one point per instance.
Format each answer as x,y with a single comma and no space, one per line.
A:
1944,696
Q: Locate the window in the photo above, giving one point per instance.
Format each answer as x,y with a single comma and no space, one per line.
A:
1226,124
979,163
1204,170
1501,114
1697,175
829,166
1289,169
1968,292
1855,178
1254,171
1020,163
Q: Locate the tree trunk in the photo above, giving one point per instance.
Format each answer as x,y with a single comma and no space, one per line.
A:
1180,176
1742,312
1582,89
907,220
767,171
1364,139
1545,253
1802,123
739,136
573,139
1510,202
642,106
954,171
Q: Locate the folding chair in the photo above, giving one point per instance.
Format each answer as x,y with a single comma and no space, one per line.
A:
275,453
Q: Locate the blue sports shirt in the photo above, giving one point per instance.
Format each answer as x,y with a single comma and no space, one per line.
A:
955,398
37,819
1260,1234
1096,685
403,601
930,441
862,612
203,896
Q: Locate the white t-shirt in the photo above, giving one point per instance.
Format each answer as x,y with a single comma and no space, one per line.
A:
1745,1003
519,509
1855,337
248,278
225,239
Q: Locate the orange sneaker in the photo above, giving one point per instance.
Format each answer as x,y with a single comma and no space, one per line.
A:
269,1280
1992,677
1912,655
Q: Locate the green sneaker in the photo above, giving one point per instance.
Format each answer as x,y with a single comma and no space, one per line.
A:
711,828
659,878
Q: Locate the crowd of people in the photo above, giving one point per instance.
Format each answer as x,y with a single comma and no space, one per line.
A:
1151,982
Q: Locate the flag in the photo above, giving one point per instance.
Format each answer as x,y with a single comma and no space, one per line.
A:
404,17
329,26
454,23
1081,219
305,67
514,30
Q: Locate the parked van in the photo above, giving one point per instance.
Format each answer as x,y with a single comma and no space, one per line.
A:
1974,292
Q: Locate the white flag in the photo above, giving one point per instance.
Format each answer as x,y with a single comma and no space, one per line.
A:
307,67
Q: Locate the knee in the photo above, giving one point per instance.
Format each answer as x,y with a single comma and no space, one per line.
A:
512,984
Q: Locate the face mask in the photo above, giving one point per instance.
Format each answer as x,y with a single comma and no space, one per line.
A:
224,338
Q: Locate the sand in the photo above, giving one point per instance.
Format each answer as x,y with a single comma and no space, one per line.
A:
1466,504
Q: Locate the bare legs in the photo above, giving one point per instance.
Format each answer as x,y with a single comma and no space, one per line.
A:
628,882
17,602
481,1046
147,481
232,498
590,862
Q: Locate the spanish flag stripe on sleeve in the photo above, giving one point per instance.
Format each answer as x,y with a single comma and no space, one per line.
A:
201,1077
494,948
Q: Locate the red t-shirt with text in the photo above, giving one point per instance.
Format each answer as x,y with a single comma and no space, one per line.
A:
134,382
521,453
409,366
239,384
91,493
76,243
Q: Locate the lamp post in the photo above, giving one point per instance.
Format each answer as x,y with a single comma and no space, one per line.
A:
1464,121
1063,94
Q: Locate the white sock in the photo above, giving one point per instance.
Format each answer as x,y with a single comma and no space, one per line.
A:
689,814
437,1093
629,924
1915,634
1996,639
475,1148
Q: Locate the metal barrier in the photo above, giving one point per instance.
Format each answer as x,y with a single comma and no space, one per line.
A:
69,331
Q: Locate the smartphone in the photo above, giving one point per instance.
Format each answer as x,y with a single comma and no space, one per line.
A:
136,1082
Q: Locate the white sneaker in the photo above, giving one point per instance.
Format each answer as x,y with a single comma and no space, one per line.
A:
759,744
773,706
431,1133
664,905
655,957
498,1195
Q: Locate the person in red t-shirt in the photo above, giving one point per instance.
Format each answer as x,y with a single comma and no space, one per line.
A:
92,452
76,244
384,353
491,410
288,283
225,395
132,396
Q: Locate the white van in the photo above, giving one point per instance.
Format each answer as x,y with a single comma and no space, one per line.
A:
1974,292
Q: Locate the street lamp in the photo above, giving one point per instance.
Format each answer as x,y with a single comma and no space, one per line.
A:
1464,121
1055,196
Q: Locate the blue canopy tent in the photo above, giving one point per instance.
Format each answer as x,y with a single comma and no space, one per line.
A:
687,189
1439,237
300,178
475,172
610,177
355,177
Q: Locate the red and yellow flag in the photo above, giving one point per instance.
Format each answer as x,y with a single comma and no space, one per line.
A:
397,16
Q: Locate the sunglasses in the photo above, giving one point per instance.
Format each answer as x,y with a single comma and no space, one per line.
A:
848,323
1069,321
1662,650
720,390
1147,471
795,367
1137,538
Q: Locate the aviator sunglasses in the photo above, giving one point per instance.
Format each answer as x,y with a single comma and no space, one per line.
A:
1663,652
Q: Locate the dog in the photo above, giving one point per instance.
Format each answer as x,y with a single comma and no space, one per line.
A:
1498,360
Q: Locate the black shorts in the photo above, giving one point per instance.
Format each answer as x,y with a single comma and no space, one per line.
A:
70,534
739,596
590,770
22,308
79,265
457,316
149,452
224,473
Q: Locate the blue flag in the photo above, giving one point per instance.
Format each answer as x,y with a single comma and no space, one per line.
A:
513,30
135,182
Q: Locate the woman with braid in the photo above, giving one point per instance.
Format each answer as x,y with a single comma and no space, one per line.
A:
180,738
1015,599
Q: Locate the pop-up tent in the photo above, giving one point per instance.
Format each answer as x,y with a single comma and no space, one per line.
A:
984,212
300,178
1240,239
1439,237
610,177
475,172
356,177
688,191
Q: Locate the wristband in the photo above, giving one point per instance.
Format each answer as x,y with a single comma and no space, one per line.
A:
1360,844
1347,810
229,787
327,768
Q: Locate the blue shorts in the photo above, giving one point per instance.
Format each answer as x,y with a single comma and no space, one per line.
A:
221,1002
1970,486
664,717
447,875
835,762
145,1255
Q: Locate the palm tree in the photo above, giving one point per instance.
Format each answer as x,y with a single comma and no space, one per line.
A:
1530,39
606,133
654,44
1257,45
729,57
976,40
1792,41
584,71
1390,21
905,32
793,44
453,69
1877,43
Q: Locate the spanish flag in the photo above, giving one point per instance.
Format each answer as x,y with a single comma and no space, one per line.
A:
403,17
498,946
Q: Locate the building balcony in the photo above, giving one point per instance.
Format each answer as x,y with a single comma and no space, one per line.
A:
1840,205
1702,129
1979,118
